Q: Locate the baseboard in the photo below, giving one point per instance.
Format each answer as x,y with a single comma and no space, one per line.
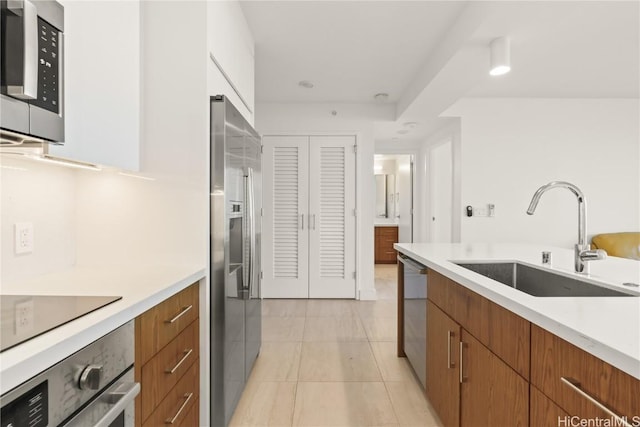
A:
368,294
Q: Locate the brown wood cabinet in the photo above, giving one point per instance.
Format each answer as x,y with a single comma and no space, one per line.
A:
167,361
545,413
487,366
385,237
477,358
491,393
443,383
503,332
568,374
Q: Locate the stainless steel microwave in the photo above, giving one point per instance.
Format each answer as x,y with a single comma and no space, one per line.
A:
31,72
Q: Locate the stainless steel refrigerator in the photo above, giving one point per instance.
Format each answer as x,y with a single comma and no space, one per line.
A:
236,201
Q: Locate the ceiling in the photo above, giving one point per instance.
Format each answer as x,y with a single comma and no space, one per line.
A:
428,54
350,50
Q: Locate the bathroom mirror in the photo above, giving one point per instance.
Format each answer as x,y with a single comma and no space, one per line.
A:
381,196
385,195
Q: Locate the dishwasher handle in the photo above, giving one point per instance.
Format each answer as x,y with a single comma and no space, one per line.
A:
411,264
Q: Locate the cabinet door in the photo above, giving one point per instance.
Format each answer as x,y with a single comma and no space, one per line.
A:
332,249
443,384
102,83
285,223
491,393
544,412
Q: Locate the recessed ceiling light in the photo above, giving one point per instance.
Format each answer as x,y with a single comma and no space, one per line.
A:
305,84
410,125
403,131
381,97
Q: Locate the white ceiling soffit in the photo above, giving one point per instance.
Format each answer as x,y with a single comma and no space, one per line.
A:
428,54
349,50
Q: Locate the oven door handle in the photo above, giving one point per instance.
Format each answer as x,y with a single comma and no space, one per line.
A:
121,397
117,398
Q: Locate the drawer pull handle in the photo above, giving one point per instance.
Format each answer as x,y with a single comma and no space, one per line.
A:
187,353
575,386
179,315
449,363
184,405
462,378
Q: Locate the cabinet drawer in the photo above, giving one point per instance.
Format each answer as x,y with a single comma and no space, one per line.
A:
178,402
506,334
388,231
553,358
163,371
192,418
387,242
165,321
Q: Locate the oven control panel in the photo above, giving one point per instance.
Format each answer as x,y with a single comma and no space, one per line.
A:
29,410
61,391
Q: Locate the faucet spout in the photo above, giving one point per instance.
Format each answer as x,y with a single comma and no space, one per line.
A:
582,205
582,249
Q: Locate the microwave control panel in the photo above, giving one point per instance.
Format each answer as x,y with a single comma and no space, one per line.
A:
48,68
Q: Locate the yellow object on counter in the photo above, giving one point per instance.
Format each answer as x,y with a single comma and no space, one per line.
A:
623,245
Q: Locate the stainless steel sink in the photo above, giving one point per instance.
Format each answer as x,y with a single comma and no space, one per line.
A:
540,283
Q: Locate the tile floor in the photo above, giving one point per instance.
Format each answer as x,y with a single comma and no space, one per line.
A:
333,363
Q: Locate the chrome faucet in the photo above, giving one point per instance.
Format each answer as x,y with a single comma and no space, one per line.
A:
583,251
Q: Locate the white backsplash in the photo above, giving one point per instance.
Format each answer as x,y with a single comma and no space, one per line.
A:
43,195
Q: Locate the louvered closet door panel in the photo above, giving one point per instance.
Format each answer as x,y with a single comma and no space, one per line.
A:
285,248
332,252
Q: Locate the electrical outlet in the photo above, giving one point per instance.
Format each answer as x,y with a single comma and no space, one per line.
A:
24,317
24,237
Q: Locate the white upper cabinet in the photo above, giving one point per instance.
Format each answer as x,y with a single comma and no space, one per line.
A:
102,83
231,69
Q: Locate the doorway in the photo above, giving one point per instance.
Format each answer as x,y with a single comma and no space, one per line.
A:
393,219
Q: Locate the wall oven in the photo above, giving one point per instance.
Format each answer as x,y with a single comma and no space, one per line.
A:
92,387
415,315
31,72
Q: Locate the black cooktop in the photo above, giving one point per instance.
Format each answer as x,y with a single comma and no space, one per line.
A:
23,317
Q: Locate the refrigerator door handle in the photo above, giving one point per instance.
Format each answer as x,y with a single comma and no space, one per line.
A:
246,243
250,239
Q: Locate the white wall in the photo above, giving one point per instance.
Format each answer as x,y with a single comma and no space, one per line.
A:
44,195
351,119
510,147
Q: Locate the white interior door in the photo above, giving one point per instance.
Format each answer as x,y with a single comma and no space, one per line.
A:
332,251
441,190
285,249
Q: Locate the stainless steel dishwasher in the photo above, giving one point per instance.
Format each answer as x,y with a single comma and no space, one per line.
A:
415,315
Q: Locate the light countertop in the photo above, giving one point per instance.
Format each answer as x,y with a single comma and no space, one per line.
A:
385,224
141,288
607,327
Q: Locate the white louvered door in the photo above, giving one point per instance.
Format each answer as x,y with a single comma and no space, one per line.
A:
285,249
332,220
309,223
